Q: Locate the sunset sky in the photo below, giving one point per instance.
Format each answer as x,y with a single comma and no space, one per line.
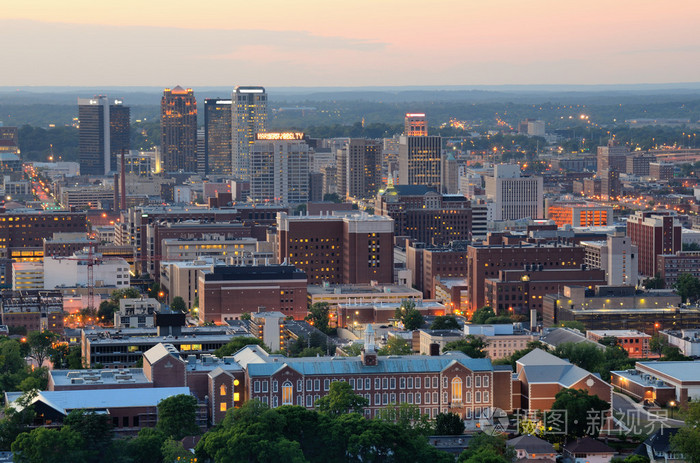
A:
351,43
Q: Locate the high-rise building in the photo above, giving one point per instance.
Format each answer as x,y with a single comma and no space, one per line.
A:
178,122
420,155
654,233
279,168
103,134
248,118
617,256
217,136
612,157
359,168
514,197
9,141
415,125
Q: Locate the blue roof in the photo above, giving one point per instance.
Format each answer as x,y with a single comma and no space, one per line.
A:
385,365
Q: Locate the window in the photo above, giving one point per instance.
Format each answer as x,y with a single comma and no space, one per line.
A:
486,396
274,401
402,397
392,398
469,413
377,399
435,397
393,383
409,382
444,382
326,384
477,397
222,390
287,393
469,381
317,384
444,397
351,382
359,383
435,382
274,386
377,383
265,400
256,386
136,421
264,386
486,381
418,382
222,407
385,383
125,421
427,398
309,401
418,398
385,399
402,383
456,390
368,384
477,381
309,386
409,396
300,400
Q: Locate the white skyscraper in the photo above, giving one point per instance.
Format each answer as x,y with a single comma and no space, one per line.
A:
279,168
248,118
514,197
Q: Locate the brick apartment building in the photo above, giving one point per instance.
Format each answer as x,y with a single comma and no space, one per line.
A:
338,249
33,310
423,214
671,266
654,233
486,261
226,292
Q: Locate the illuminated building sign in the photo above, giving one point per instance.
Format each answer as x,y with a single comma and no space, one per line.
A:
415,115
280,136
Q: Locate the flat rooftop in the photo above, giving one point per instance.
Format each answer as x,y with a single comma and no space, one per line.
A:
681,371
361,289
634,376
620,333
115,377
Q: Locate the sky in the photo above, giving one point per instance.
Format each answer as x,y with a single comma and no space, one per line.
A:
315,43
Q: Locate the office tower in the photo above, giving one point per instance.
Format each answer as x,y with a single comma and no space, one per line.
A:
450,172
420,155
103,134
359,166
9,141
201,151
617,256
514,197
654,233
178,125
217,136
279,168
248,118
612,157
415,125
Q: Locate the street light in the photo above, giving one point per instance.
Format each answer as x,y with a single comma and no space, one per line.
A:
672,404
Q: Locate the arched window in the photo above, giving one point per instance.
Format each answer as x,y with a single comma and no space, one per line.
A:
456,390
287,393
222,390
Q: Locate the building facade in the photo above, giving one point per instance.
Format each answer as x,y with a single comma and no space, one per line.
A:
279,168
359,168
654,233
514,196
248,118
217,136
178,121
103,134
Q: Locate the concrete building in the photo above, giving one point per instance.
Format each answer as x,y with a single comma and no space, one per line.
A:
501,341
334,295
612,157
424,215
73,271
579,214
279,168
682,377
661,171
267,326
27,275
227,292
535,128
432,341
248,118
180,279
514,196
215,246
359,168
420,160
654,233
617,256
340,249
136,313
687,341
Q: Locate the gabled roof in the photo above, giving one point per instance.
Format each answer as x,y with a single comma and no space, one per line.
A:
542,367
560,336
97,399
218,371
531,444
540,357
660,441
159,351
251,354
587,445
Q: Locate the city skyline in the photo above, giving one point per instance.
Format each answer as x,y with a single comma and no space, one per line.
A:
326,44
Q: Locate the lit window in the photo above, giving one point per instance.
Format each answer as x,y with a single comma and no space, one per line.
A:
287,393
456,390
222,407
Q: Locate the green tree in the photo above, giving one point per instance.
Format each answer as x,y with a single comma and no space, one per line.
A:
407,314
447,322
655,283
178,305
174,451
578,405
43,445
17,419
688,287
332,197
246,316
177,416
64,356
480,316
124,293
472,346
96,433
487,448
40,345
237,343
449,424
396,345
586,355
146,447
319,316
407,416
573,324
341,399
687,440
107,310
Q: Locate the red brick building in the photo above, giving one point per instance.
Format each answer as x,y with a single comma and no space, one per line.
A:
484,262
671,266
654,233
226,292
339,249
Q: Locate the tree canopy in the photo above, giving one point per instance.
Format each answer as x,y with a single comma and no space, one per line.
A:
341,399
688,287
446,322
319,316
407,315
237,343
177,416
583,412
473,346
396,345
